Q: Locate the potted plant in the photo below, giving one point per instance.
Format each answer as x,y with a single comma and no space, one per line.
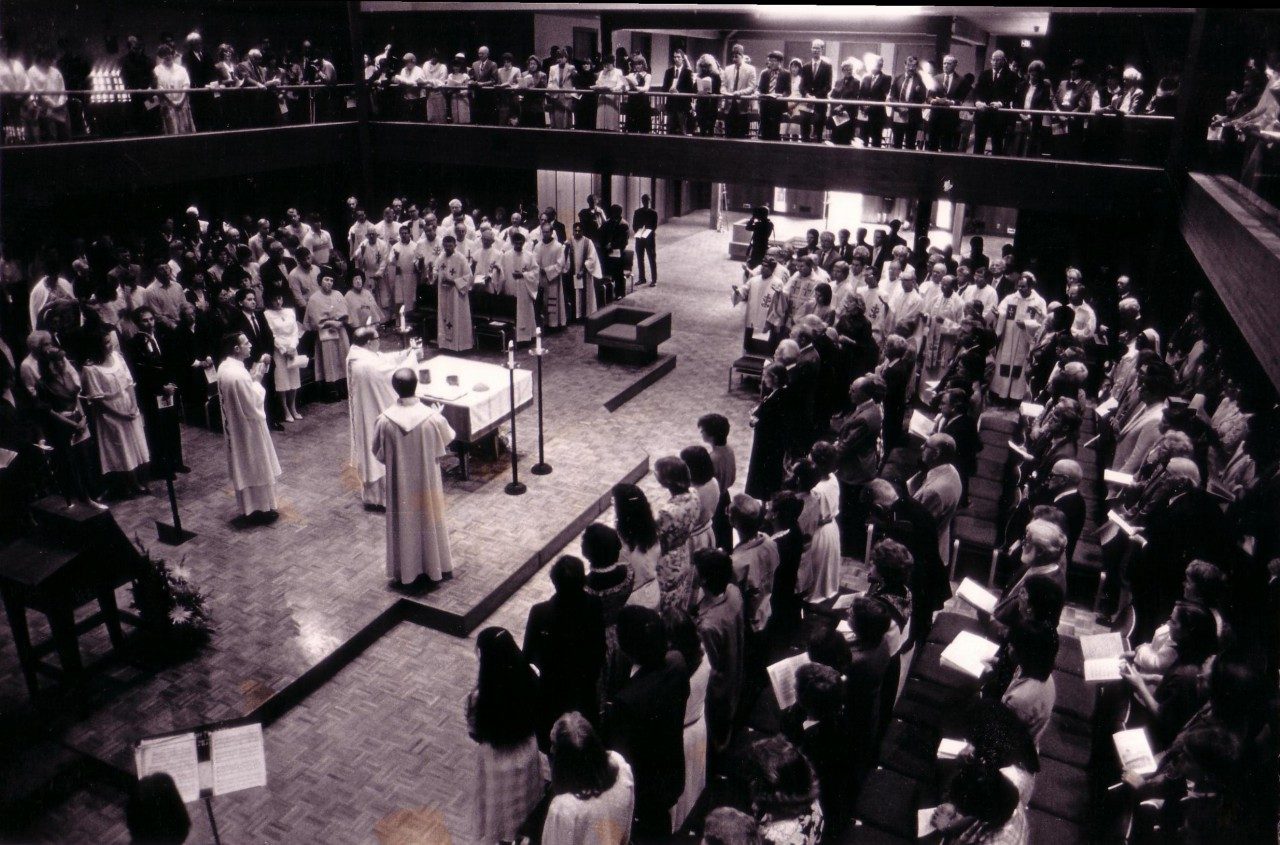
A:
175,622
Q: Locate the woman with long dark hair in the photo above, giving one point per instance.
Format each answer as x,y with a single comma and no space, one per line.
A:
633,519
502,717
593,789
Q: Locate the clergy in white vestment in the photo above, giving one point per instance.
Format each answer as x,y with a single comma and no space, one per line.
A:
409,438
1018,319
456,216
982,291
484,260
519,274
842,285
585,267
327,316
516,225
907,306
369,391
549,252
1085,324
251,456
400,273
943,317
369,261
427,249
765,295
361,306
877,308
453,311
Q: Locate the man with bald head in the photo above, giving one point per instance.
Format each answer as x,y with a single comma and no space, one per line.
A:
937,486
994,93
409,438
905,520
369,392
1060,489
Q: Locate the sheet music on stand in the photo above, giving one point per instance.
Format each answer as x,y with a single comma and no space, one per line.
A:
207,761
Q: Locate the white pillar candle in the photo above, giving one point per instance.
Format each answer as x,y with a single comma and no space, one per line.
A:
511,354
537,340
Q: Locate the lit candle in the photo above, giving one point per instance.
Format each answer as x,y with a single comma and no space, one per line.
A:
404,324
511,354
537,340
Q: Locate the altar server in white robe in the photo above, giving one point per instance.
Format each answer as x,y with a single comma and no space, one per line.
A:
586,272
1019,317
982,291
453,312
400,274
369,390
369,261
409,438
941,333
484,260
907,306
549,252
519,274
427,249
251,456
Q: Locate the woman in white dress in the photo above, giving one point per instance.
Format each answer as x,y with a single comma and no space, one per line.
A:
682,634
460,95
411,80
820,563
286,364
610,82
594,792
638,531
702,472
122,441
175,108
508,81
435,74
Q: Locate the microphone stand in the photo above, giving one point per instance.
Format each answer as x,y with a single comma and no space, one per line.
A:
514,487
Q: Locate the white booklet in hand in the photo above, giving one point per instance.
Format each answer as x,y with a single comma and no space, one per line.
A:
950,749
641,234
968,653
1123,524
983,599
1107,408
1031,409
782,676
924,822
1134,750
1102,656
1112,476
921,425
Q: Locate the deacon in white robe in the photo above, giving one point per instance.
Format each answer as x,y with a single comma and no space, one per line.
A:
877,310
369,261
982,291
549,252
453,311
519,274
586,272
251,456
1018,319
400,274
409,438
369,391
484,260
907,306
941,333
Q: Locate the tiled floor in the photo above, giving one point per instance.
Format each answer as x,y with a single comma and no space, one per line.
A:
284,597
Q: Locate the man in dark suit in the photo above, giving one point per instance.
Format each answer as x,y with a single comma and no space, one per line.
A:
592,218
200,68
908,87
484,72
994,93
955,420
1034,92
646,722
891,239
950,89
816,77
564,636
1060,488
645,219
857,435
248,321
155,372
875,86
905,520
678,80
774,82
803,369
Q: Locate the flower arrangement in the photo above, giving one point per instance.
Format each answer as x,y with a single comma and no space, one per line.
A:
173,612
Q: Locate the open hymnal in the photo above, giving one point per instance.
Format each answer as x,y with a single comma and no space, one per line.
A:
950,749
968,653
984,600
1020,452
1112,476
641,234
1107,408
1121,523
782,676
236,760
1134,750
924,822
6,457
1031,409
921,425
1102,656
844,601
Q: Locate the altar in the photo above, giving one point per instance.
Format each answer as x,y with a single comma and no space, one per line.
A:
474,397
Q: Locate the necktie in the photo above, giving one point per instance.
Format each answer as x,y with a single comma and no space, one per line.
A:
253,320
155,347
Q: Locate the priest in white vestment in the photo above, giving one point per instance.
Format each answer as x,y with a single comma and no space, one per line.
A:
549,252
251,456
586,272
943,317
369,261
369,391
519,272
484,260
400,274
453,311
409,438
1018,319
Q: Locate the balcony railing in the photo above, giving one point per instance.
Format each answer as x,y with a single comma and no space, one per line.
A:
1104,135
59,116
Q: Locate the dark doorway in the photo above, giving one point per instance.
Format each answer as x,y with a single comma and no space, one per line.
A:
585,42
